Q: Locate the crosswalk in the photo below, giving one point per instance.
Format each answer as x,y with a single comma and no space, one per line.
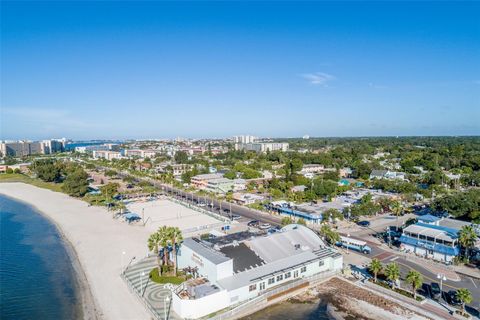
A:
156,297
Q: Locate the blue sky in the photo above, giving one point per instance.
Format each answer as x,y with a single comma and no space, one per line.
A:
148,70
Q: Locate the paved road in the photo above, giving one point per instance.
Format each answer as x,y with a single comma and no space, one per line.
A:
427,271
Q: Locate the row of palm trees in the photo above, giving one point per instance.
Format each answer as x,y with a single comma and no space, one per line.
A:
162,240
414,278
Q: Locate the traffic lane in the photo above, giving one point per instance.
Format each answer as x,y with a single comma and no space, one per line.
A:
222,205
429,277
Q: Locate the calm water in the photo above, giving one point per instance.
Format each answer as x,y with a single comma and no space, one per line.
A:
292,311
37,280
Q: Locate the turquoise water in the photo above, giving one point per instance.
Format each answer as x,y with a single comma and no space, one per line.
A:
37,280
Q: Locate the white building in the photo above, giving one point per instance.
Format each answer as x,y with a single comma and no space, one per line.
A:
262,146
244,139
238,267
109,155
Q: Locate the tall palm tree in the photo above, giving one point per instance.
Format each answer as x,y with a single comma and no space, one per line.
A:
397,209
154,245
415,279
467,238
465,296
375,267
392,271
176,238
164,232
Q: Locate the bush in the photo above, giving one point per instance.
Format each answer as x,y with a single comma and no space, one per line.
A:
179,279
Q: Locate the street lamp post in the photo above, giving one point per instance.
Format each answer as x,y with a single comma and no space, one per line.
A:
442,278
123,255
348,236
167,299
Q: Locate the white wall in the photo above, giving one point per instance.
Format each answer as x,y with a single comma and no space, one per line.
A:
198,308
187,258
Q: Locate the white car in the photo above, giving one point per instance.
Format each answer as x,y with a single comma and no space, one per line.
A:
264,226
201,204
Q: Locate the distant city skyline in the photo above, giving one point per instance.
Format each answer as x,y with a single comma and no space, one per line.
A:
124,70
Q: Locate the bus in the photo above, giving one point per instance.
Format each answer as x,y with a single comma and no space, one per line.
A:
354,244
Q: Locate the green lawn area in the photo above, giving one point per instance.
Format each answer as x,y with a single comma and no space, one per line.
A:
18,177
167,278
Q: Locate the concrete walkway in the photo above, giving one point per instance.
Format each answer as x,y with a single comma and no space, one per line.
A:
153,295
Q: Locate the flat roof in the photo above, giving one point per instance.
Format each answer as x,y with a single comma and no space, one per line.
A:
243,257
205,251
285,244
269,270
431,231
229,238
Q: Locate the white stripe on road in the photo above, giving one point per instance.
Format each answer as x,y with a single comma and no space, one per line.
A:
474,283
393,259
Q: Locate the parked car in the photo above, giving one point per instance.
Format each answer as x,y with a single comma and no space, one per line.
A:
364,223
435,291
201,204
235,217
452,298
265,226
253,223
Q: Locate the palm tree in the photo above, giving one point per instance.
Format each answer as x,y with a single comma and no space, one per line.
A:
465,296
164,232
467,238
392,271
154,245
415,279
375,267
330,235
175,239
397,209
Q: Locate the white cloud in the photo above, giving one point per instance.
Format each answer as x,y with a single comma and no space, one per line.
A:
318,78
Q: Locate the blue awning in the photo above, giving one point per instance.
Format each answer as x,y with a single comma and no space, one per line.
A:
428,218
131,216
440,248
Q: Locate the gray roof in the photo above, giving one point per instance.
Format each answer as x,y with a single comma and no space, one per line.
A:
453,223
269,270
281,245
243,257
205,251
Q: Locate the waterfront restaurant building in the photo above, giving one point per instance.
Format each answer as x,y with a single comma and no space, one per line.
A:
433,238
232,269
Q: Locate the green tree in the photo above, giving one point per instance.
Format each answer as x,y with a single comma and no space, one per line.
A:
9,171
415,279
230,175
302,222
397,209
286,221
154,245
47,170
76,183
392,271
465,296
109,190
181,157
375,268
330,235
176,239
467,237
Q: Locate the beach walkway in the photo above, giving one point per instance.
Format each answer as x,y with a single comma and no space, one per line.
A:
155,297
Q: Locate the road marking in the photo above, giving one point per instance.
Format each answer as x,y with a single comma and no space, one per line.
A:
474,283
393,259
428,278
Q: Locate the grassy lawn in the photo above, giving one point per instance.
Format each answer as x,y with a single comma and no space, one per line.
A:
167,278
18,177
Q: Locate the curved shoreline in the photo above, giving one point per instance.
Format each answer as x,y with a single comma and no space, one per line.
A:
97,245
89,306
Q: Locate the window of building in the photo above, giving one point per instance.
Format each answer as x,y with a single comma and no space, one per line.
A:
280,277
422,237
295,274
252,287
288,275
262,285
321,263
271,281
303,269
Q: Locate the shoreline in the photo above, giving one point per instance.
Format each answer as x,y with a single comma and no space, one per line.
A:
89,307
94,244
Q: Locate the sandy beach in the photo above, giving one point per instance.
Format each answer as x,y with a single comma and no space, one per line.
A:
98,242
